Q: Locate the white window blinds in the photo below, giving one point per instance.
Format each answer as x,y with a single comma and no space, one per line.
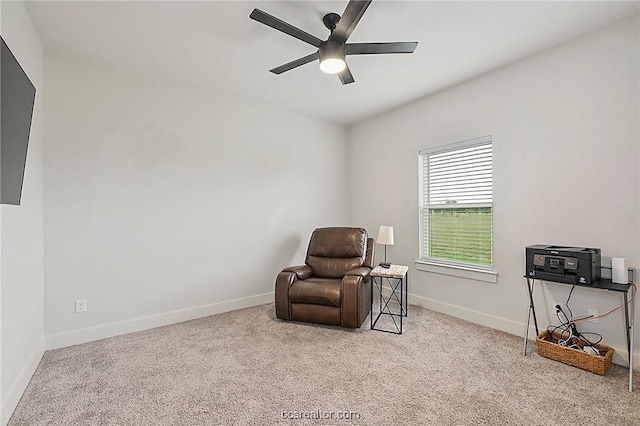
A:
456,203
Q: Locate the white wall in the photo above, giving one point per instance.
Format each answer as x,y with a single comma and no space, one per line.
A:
163,203
565,128
22,342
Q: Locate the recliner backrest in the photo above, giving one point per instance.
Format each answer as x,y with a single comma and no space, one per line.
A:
333,252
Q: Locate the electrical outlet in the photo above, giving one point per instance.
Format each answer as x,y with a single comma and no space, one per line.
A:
81,305
594,313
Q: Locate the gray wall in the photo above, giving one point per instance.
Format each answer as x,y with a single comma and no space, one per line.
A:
163,203
565,128
21,294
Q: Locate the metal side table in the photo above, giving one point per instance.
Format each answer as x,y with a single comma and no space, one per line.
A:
390,299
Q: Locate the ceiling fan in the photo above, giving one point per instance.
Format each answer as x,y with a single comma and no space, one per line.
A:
332,51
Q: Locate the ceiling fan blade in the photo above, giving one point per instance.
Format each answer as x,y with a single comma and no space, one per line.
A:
295,64
345,76
280,25
378,48
350,18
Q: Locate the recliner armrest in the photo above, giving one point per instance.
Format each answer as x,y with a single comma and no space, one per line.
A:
356,296
302,271
361,271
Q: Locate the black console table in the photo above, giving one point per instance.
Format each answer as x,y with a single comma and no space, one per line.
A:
602,284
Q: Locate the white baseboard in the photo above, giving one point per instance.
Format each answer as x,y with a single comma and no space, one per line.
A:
476,317
76,337
17,389
620,356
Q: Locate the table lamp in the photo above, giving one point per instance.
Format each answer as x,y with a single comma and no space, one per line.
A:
385,236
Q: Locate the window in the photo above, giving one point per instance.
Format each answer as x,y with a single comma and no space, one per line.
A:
456,204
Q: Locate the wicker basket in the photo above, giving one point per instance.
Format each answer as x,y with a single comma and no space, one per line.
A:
577,358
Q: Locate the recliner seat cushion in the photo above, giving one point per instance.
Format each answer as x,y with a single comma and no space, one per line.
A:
316,291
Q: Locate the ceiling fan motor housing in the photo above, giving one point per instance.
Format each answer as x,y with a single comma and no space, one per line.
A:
331,49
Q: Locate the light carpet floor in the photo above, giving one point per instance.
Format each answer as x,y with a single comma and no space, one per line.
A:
247,367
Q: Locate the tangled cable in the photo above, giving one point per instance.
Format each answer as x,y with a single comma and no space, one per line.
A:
567,334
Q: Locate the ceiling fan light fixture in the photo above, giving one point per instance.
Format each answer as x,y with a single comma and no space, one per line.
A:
331,54
332,65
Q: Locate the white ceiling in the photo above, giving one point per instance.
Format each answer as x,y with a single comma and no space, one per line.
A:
215,46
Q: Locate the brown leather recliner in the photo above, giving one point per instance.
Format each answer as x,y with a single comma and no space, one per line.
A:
333,287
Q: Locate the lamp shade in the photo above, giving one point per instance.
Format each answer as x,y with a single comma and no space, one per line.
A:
385,235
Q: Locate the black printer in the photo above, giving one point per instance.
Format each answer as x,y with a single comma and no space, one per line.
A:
572,265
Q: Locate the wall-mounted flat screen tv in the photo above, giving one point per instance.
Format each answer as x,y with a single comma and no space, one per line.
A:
18,97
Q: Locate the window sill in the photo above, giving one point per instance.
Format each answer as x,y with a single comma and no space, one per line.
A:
458,271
